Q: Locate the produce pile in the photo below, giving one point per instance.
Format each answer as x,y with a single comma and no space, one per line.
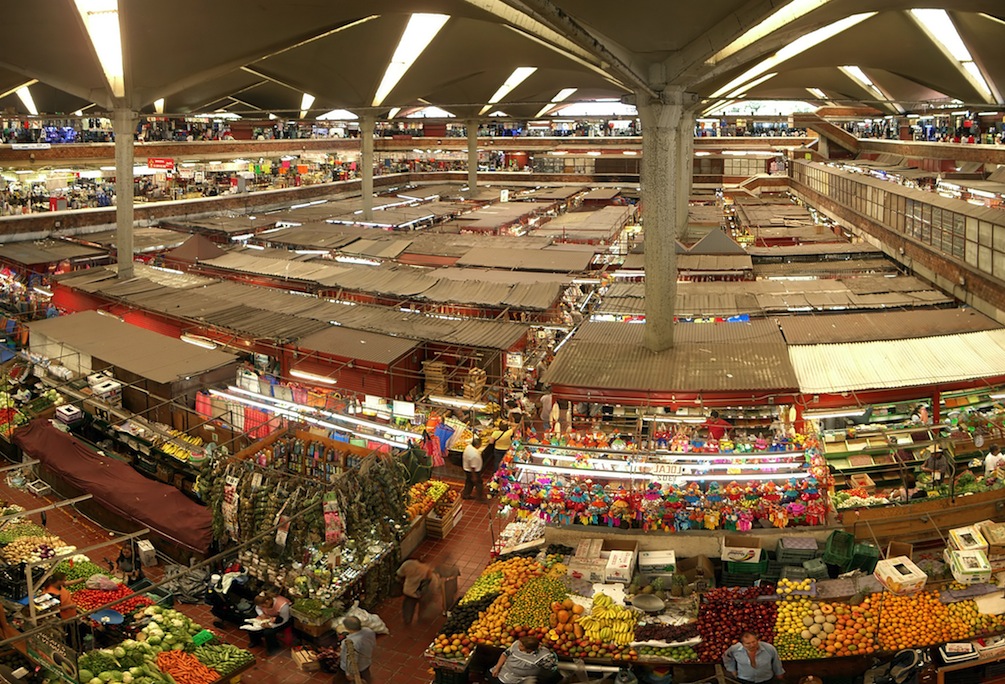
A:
79,567
132,662
92,599
422,496
728,612
185,668
446,502
32,549
14,660
224,658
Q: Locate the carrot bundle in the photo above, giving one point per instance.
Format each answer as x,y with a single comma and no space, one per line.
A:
185,668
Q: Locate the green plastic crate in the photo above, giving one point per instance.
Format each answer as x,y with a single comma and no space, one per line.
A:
840,549
794,573
816,569
865,557
747,568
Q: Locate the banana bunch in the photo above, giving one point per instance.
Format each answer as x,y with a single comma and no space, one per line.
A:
178,452
178,434
609,622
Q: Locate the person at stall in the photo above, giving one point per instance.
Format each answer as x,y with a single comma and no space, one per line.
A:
56,586
716,426
526,659
364,641
501,441
909,490
936,465
920,415
418,577
275,611
993,461
471,461
752,661
128,566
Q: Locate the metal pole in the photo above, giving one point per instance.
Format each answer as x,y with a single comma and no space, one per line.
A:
123,123
472,156
366,125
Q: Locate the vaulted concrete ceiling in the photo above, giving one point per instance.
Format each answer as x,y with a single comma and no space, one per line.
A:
250,55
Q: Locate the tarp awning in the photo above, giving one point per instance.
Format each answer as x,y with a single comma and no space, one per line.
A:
823,368
116,486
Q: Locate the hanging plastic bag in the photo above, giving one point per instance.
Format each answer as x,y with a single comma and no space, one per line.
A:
365,619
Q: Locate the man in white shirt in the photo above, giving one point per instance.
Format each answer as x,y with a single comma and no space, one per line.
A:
471,461
993,461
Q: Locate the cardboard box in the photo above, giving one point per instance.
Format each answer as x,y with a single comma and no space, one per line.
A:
967,539
900,575
589,569
68,414
658,561
741,548
994,535
620,567
147,554
997,562
589,548
695,568
894,549
306,660
862,480
969,567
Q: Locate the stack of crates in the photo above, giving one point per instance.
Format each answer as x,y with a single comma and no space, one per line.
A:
795,550
743,574
816,569
864,557
794,572
840,549
774,571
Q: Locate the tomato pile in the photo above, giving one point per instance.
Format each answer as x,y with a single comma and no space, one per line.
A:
90,599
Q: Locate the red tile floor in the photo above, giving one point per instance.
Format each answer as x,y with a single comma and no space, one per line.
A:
399,655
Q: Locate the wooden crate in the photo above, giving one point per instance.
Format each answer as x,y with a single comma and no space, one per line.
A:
439,528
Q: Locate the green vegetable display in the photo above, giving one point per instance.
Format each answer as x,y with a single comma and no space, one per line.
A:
80,570
22,530
223,658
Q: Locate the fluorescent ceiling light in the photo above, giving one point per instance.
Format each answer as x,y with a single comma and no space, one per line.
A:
394,112
856,74
101,19
842,413
199,341
78,113
561,96
305,104
304,375
784,16
796,47
817,93
159,105
27,100
457,401
431,112
498,112
338,115
418,34
742,92
939,26
519,75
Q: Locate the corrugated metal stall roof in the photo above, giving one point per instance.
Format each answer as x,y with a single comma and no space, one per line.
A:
46,251
492,276
888,325
714,262
601,194
538,296
825,269
713,362
561,192
527,260
466,292
899,363
357,344
319,235
816,249
456,245
144,239
382,249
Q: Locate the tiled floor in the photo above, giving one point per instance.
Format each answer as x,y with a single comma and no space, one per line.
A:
399,655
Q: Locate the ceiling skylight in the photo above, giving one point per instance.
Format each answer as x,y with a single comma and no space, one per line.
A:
519,75
394,112
419,33
27,100
561,96
338,115
159,105
786,15
856,74
305,104
101,19
817,93
742,91
941,30
796,47
430,112
598,108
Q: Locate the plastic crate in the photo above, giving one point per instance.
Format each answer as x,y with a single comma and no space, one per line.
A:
747,568
840,549
732,580
795,572
816,568
865,557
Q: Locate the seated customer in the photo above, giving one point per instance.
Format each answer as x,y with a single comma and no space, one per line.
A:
276,608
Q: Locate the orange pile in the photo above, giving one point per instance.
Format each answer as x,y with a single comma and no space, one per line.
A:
490,628
453,646
516,572
915,620
565,619
855,629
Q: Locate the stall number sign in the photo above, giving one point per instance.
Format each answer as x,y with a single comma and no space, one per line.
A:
666,471
160,163
48,650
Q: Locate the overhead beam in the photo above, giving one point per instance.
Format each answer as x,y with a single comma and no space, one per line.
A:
216,98
614,56
100,96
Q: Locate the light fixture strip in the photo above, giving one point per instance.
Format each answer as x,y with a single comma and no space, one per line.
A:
796,47
418,34
940,29
779,19
519,75
101,19
561,96
305,104
27,100
742,92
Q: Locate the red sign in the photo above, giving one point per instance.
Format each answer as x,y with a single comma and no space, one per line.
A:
160,163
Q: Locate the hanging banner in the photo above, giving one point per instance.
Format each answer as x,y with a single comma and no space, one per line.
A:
282,523
229,506
49,650
160,163
334,525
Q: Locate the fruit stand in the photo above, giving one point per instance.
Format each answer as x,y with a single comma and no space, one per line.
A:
674,618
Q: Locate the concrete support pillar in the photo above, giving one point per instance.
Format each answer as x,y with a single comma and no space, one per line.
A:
824,147
366,126
124,125
685,177
472,126
661,213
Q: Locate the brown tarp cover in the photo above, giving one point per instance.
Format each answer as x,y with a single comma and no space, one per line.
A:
119,488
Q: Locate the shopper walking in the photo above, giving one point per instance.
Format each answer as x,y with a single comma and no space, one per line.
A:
471,461
418,577
356,654
752,661
448,574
